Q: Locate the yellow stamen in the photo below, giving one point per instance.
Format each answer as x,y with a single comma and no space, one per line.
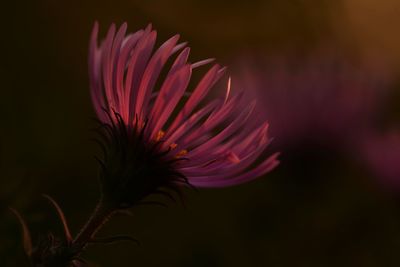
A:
173,146
181,153
160,135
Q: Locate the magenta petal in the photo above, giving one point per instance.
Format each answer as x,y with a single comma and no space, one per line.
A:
127,47
170,94
221,181
227,132
212,121
202,62
107,67
241,145
136,67
198,94
189,123
151,73
95,74
180,61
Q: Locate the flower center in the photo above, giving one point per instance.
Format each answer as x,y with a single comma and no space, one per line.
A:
180,154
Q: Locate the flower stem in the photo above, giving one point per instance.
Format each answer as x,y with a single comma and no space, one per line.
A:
100,216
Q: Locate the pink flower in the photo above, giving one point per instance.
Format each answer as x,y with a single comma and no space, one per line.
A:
381,153
160,131
322,99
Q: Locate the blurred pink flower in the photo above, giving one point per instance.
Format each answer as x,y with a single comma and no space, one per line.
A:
320,99
170,130
381,153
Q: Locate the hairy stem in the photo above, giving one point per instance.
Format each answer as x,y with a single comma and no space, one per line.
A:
100,216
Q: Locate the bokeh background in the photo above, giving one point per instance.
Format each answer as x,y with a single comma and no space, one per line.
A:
323,206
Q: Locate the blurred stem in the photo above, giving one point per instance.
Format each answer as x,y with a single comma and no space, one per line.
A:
100,216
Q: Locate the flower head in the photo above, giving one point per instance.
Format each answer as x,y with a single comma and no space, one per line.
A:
162,137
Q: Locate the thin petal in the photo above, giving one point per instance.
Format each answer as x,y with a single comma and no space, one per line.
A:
150,75
170,94
137,64
198,94
226,180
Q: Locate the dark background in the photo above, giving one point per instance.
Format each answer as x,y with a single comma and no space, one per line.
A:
319,208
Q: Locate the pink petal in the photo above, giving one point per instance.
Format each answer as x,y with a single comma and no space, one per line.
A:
189,123
150,75
227,132
226,180
136,67
127,47
170,94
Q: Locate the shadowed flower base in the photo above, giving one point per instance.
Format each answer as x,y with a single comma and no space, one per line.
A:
131,170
